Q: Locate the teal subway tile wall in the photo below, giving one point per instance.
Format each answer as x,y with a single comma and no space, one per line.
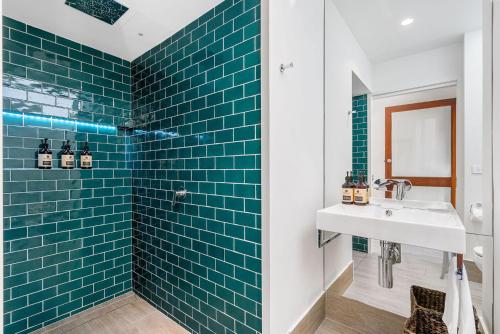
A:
67,233
196,107
75,238
360,151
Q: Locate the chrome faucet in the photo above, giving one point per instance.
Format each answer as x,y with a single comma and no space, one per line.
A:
402,186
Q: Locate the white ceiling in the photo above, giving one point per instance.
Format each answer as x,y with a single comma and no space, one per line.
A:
155,19
376,24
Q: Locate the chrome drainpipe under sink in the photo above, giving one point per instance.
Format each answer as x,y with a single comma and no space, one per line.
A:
390,255
390,251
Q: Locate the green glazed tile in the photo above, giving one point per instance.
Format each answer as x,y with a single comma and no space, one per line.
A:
40,33
55,69
14,70
14,46
81,56
55,48
41,76
69,83
9,22
24,38
69,62
68,43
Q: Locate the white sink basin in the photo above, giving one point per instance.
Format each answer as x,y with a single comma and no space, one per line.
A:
427,224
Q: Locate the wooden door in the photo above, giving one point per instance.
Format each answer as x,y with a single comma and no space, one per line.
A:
434,117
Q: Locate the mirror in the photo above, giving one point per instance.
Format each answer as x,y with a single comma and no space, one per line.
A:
420,142
404,91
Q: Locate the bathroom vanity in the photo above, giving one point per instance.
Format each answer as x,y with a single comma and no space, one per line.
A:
426,224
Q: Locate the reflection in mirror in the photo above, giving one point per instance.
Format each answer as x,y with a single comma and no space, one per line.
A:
403,99
421,142
435,187
420,145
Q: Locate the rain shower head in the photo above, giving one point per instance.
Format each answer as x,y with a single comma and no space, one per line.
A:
108,11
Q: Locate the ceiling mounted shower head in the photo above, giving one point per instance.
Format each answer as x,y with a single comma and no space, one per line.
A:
108,11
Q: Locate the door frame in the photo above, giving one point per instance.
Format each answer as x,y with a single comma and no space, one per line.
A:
451,181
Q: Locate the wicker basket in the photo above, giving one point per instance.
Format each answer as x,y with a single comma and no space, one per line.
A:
427,299
430,300
425,321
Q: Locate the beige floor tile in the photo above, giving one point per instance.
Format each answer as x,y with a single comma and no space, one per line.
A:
156,323
331,327
125,315
129,313
82,329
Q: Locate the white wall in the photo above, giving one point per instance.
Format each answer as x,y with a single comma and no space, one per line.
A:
423,69
490,258
294,161
492,116
266,258
293,273
343,55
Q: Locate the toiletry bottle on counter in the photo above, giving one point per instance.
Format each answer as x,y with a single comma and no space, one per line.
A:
348,190
44,155
361,191
86,157
67,157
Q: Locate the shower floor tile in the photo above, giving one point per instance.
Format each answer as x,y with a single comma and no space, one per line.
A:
126,314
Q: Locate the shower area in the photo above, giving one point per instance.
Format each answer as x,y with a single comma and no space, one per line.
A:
181,118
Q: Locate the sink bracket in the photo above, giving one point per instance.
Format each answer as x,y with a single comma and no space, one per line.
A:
325,237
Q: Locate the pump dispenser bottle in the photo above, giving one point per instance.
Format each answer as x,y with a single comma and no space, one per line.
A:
86,157
44,155
361,191
348,190
67,157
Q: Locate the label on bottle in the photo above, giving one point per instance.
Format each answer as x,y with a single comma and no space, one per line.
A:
67,161
347,195
44,160
86,161
361,196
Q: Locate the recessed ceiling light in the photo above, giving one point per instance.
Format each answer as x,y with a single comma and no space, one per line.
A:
407,21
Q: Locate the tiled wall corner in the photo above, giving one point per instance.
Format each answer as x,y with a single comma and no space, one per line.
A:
67,234
197,105
360,151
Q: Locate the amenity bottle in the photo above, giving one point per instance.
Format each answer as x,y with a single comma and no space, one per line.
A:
361,192
86,157
44,155
348,190
67,157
